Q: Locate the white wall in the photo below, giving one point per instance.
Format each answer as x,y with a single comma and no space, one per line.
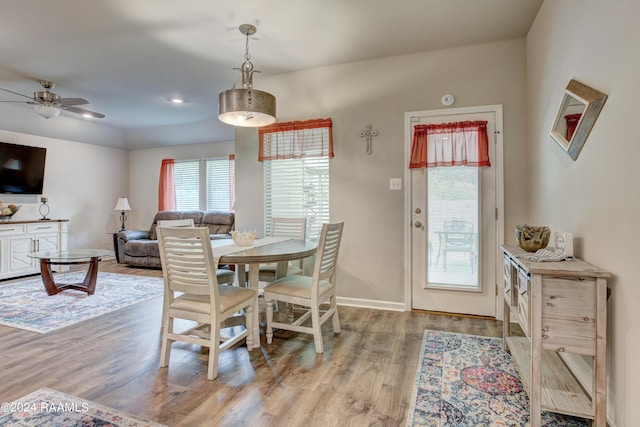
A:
144,173
379,92
595,197
82,182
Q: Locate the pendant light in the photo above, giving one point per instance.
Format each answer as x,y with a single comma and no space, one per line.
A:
247,107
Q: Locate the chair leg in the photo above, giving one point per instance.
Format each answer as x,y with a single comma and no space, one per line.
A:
471,260
214,351
165,351
290,317
269,310
248,314
335,318
317,329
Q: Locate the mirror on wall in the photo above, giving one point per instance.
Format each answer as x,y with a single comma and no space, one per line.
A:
578,111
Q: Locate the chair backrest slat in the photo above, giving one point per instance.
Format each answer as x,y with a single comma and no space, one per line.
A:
327,254
187,260
176,223
289,227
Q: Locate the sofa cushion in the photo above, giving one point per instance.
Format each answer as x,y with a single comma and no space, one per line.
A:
171,215
142,248
218,222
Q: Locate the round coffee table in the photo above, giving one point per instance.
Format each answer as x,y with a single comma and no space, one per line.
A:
72,257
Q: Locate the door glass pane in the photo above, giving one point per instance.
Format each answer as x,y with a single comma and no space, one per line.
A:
452,224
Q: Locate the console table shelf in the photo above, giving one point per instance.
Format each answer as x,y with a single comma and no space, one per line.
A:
562,309
561,392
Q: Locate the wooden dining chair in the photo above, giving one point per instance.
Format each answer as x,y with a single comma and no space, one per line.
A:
191,292
296,228
225,276
310,292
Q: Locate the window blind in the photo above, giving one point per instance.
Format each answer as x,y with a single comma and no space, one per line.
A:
205,184
297,188
187,183
218,184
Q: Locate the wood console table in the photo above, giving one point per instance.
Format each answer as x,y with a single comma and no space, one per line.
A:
561,307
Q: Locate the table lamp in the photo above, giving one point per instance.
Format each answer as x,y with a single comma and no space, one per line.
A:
122,205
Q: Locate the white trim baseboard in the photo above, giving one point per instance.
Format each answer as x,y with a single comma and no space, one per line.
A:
369,303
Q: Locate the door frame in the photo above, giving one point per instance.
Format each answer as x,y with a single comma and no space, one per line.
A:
498,163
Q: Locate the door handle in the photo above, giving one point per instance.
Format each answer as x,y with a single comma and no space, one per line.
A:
419,225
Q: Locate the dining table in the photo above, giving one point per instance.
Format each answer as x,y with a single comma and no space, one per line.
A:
278,250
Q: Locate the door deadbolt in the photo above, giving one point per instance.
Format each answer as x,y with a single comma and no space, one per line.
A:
418,224
418,210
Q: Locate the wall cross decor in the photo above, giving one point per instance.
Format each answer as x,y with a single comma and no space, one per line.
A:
368,134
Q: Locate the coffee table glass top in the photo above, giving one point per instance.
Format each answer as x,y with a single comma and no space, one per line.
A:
71,255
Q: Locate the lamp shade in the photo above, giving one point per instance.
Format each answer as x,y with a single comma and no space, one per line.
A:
122,205
246,107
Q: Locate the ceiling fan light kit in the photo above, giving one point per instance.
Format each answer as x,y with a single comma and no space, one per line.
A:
246,107
47,110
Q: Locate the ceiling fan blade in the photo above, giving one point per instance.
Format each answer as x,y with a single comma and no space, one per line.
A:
82,111
16,93
72,101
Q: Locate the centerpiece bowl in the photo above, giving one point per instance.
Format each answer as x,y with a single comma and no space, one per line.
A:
243,238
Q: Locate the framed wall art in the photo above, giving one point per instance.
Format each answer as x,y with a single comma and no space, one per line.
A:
578,111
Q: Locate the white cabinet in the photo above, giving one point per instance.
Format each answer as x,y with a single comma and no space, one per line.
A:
562,309
19,238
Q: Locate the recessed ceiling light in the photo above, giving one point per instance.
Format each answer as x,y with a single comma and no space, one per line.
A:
177,100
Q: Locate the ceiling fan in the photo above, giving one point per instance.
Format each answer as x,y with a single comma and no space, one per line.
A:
48,105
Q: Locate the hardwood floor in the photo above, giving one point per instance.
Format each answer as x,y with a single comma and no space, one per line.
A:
364,377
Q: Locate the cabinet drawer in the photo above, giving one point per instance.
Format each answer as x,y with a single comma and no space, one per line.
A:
6,229
524,288
44,227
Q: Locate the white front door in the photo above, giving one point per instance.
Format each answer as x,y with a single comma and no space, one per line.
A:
453,220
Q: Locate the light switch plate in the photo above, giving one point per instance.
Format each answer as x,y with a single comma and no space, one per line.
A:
395,184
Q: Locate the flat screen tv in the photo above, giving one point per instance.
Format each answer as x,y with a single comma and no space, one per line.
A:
21,169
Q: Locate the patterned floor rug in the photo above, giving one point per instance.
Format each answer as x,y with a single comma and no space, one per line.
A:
26,305
50,408
467,380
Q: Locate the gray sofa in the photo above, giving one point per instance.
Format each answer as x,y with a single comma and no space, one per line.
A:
140,248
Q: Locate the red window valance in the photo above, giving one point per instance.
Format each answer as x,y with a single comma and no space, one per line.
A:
450,144
295,140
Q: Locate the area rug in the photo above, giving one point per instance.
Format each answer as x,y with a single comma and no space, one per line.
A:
50,408
26,305
467,380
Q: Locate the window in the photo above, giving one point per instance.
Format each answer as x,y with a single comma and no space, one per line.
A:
296,172
297,188
205,184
